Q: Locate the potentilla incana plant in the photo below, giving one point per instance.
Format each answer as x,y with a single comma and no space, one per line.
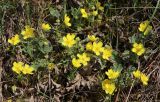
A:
80,48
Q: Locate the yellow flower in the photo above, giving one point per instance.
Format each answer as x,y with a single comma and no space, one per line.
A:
76,62
138,49
144,79
51,66
97,47
89,46
46,27
95,13
83,58
98,5
17,67
84,13
92,38
28,32
112,74
14,40
108,86
69,40
107,52
145,27
27,69
66,20
137,74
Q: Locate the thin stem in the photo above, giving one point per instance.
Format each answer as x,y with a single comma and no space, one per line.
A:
50,97
133,8
130,91
155,10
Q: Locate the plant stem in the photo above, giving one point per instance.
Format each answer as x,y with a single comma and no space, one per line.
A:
130,91
50,97
155,10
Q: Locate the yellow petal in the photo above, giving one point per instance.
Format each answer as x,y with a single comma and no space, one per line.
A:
137,74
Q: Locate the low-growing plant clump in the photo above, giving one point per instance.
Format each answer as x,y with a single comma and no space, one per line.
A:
85,51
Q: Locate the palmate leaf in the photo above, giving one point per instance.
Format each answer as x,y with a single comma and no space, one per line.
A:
54,12
44,48
117,66
75,12
40,63
132,39
29,49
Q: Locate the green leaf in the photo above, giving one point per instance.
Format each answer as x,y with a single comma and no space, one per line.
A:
132,39
40,63
54,12
117,66
28,49
72,74
75,12
126,54
115,57
43,47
